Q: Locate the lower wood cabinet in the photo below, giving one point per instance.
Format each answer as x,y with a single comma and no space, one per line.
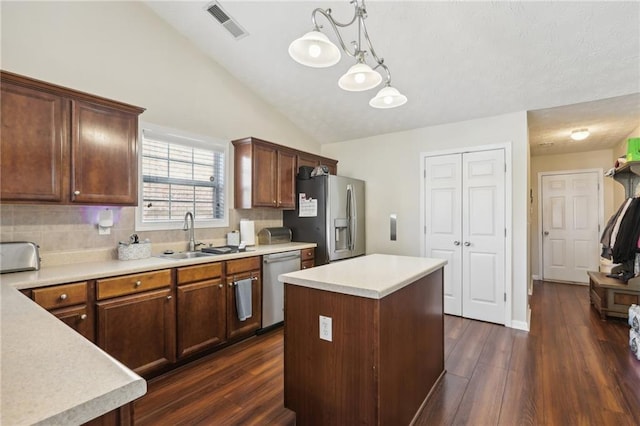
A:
139,330
71,303
201,310
307,258
237,270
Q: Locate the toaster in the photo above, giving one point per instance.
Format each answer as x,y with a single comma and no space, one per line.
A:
16,256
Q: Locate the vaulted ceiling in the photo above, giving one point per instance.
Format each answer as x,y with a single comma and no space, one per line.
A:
570,64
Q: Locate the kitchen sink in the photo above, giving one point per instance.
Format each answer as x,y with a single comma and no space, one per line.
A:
186,255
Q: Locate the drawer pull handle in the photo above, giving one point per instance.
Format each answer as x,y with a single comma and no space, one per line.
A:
169,297
83,317
63,296
76,192
138,283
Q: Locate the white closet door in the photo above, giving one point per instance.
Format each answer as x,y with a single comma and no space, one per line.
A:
483,238
443,195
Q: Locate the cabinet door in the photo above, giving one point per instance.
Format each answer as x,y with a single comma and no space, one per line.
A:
80,318
306,160
201,316
33,144
103,155
139,330
286,179
265,169
235,328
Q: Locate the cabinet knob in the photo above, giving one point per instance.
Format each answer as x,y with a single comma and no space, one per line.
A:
219,285
456,243
138,283
63,296
467,243
230,284
169,297
83,317
76,192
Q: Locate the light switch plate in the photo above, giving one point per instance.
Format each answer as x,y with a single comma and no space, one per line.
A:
326,332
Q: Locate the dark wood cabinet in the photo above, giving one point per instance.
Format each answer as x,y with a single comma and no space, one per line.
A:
62,146
136,321
104,161
70,303
32,144
265,173
304,159
307,258
237,270
201,308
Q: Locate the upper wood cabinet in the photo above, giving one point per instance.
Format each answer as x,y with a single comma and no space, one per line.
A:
58,145
265,173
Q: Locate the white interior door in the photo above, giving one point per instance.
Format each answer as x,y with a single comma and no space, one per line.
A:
570,218
443,196
483,235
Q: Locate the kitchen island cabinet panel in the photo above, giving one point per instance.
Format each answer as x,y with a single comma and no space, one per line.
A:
33,148
139,330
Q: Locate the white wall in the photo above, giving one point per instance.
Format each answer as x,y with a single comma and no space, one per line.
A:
390,165
620,150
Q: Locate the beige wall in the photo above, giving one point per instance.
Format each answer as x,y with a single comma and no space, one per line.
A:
390,165
601,160
124,51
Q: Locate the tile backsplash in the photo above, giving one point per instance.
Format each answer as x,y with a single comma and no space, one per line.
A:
69,234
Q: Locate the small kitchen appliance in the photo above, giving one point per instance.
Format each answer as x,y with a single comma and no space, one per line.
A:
16,256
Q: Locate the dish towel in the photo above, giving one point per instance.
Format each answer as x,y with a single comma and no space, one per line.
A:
243,298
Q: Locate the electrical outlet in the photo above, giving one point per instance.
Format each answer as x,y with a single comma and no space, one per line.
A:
325,329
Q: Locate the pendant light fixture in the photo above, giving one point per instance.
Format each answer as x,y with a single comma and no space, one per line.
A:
314,49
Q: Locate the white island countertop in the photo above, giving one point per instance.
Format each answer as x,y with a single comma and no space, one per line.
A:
373,276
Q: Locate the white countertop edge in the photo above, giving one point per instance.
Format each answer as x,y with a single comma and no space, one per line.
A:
338,283
63,274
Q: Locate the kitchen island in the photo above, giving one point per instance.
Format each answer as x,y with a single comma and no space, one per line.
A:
364,339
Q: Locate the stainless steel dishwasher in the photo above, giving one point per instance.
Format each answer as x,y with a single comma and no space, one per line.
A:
272,289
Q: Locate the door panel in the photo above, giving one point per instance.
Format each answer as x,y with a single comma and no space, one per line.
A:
444,227
483,225
570,226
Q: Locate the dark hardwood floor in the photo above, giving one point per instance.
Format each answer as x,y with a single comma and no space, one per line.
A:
570,369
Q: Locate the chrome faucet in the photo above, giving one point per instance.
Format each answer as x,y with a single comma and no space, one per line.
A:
188,217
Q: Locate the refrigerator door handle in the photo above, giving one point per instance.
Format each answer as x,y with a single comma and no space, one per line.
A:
350,216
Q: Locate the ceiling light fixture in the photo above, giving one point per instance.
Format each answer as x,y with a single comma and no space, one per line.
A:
580,134
314,49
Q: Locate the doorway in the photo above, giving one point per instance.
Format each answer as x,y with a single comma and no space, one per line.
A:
570,219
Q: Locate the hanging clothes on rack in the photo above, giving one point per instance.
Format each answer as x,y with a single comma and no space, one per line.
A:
626,243
605,240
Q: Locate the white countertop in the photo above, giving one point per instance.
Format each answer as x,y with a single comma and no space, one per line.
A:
374,276
52,375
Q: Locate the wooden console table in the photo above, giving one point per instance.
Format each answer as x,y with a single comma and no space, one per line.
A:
612,297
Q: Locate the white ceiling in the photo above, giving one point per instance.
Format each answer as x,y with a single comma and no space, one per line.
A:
571,64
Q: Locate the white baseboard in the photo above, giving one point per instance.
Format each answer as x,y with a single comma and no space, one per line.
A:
522,325
535,277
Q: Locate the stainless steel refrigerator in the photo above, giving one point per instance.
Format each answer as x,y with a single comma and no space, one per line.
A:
329,212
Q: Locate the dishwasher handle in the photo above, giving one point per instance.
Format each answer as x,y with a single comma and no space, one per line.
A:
281,259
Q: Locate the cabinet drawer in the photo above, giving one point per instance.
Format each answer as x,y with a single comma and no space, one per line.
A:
61,295
619,300
308,254
243,265
306,264
199,273
129,284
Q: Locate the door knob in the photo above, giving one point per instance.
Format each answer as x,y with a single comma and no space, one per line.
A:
467,243
456,243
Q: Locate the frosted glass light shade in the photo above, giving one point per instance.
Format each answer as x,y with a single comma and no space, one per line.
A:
314,49
581,134
359,77
388,97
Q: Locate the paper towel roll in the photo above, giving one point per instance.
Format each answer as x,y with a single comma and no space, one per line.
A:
247,232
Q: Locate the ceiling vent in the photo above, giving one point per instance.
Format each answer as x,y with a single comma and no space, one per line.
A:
230,24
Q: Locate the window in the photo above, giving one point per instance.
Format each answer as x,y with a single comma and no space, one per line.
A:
181,172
